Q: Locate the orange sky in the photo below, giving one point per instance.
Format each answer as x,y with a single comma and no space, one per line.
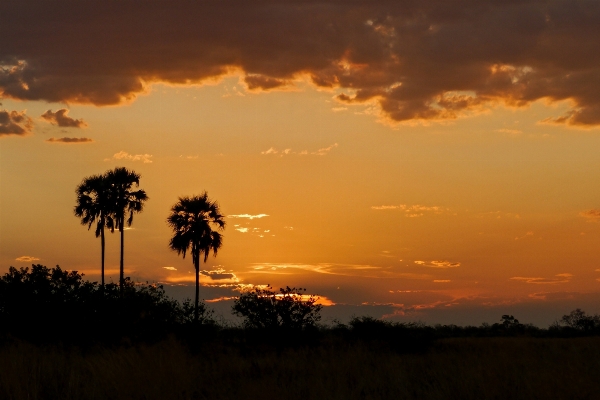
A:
403,159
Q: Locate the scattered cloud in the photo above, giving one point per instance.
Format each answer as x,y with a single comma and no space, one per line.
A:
60,118
280,153
510,131
220,274
591,215
123,155
69,140
26,259
14,122
170,268
438,264
500,215
441,280
413,211
242,229
526,235
222,298
324,150
560,278
249,216
360,270
338,109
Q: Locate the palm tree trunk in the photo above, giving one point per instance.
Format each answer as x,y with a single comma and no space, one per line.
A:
121,269
197,288
102,244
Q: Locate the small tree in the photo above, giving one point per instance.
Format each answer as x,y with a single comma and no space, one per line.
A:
290,308
578,319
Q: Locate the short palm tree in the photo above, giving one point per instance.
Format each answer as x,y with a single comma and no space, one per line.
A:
93,206
195,222
124,202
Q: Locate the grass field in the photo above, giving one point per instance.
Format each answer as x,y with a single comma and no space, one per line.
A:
462,368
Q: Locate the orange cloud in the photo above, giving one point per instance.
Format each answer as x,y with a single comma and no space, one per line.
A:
61,119
69,140
123,155
14,123
560,278
26,259
416,60
592,215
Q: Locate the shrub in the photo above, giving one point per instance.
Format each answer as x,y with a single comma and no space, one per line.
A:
290,308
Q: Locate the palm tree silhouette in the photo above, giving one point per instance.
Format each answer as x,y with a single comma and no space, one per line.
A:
124,202
192,220
93,205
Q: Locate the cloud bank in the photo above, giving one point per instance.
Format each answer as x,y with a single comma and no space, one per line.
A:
415,59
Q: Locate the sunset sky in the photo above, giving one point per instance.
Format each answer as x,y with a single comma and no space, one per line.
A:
418,160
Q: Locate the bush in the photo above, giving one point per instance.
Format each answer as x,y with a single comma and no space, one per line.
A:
290,308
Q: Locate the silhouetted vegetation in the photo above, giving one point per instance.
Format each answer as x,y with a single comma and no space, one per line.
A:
108,199
62,338
192,220
290,308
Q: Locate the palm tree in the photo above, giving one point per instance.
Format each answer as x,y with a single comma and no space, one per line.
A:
124,201
93,205
192,220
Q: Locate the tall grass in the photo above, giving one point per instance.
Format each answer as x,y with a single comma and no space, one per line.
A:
462,368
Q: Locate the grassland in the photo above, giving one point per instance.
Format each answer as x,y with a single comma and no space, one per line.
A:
332,368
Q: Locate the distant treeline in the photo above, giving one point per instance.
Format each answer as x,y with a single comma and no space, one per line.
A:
53,305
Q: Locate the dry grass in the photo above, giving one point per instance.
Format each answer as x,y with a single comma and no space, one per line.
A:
488,368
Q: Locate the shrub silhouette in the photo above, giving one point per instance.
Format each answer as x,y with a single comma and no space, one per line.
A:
47,304
290,308
578,320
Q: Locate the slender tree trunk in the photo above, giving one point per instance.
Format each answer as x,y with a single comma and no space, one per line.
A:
102,244
121,269
197,288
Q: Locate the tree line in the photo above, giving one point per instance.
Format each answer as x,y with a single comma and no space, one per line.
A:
52,304
110,201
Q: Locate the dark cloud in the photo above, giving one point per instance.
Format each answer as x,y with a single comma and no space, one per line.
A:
61,118
218,274
14,123
69,140
418,59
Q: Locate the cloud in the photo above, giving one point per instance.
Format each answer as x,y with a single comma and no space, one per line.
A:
441,280
413,211
560,278
249,216
416,60
170,268
61,119
320,152
26,259
14,123
69,140
526,235
592,215
219,274
438,264
123,155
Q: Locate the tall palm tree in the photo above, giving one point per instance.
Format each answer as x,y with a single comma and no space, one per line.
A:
124,202
93,205
192,220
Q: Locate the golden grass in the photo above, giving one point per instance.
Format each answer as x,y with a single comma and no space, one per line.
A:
485,368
